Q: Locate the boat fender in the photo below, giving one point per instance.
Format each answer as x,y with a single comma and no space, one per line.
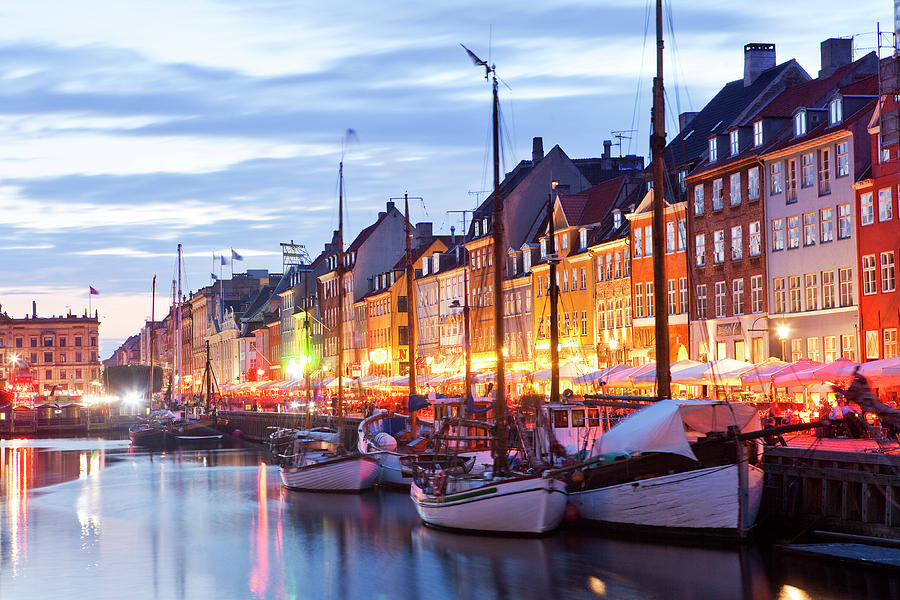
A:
440,483
577,478
571,513
385,441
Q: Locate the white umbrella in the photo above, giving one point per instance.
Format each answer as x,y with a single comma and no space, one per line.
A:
569,370
725,371
649,377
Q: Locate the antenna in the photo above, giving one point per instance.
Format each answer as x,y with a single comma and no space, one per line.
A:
620,135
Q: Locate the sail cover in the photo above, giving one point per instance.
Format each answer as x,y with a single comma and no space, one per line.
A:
660,427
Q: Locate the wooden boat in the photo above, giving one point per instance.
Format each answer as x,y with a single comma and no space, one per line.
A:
163,429
649,472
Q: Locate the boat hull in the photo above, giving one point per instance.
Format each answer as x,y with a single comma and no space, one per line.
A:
392,472
699,502
339,474
171,438
527,505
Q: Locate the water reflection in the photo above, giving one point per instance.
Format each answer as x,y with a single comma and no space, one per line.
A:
218,524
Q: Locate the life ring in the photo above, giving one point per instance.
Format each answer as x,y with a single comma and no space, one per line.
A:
440,483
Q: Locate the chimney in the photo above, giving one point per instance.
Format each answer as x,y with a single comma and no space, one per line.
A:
453,235
684,119
422,234
757,58
34,309
836,53
537,149
607,147
389,206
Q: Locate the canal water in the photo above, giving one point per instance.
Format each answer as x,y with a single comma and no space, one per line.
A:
97,519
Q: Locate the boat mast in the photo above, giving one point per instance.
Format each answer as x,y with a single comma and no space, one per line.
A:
340,310
554,308
466,333
178,317
306,373
410,316
152,331
657,151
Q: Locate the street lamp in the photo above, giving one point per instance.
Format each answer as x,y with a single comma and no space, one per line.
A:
782,331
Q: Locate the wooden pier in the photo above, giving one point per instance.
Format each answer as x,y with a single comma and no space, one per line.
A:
848,486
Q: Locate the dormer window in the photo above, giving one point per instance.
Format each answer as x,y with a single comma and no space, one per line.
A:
712,150
758,133
617,218
526,261
582,239
477,228
425,267
800,123
544,248
484,225
735,142
513,263
564,239
836,111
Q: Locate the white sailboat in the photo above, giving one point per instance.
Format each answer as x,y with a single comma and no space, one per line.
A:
339,470
498,500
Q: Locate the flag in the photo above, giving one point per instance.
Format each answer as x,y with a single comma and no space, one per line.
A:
235,255
224,261
93,292
477,61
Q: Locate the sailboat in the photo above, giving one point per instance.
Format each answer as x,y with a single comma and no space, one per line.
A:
500,500
335,469
679,466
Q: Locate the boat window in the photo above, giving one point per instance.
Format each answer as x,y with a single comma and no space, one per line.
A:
593,417
578,418
560,419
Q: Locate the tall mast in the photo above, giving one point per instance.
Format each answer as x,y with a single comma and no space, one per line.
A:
152,331
178,316
340,310
466,348
173,340
657,151
500,443
410,314
554,307
306,373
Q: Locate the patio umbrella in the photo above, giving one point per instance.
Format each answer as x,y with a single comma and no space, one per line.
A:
761,374
600,375
840,371
648,378
569,370
332,383
623,377
801,372
725,371
882,373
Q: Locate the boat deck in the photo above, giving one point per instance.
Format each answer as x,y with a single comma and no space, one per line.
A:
811,442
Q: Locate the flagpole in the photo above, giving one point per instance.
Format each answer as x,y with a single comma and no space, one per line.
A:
89,301
231,262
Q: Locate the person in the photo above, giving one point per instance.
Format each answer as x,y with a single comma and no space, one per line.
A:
773,439
788,414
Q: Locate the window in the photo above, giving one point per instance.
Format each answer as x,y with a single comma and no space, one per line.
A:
712,150
777,234
638,242
48,342
800,123
734,140
884,155
827,289
701,301
756,294
648,241
844,228
682,235
794,288
809,229
737,245
735,191
650,305
565,241
719,246
753,184
682,295
812,348
670,236
830,347
720,299
737,296
62,342
617,222
848,346
639,299
758,133
776,177
808,175
887,272
755,239
824,172
870,285
793,232
826,225
672,289
543,247
718,194
698,199
583,275
584,328
34,342
796,349
812,291
890,343
871,344
845,278
700,247
609,267
842,155
791,182
866,210
582,236
780,295
565,284
48,357
835,111
885,205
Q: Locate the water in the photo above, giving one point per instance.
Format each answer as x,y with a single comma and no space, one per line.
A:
96,519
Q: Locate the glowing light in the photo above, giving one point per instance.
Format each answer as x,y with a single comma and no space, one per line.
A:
783,331
378,356
295,404
613,344
597,585
260,372
789,592
132,398
14,359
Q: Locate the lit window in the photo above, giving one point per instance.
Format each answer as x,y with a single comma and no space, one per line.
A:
719,246
826,224
808,170
800,123
777,234
735,142
735,182
700,247
870,283
844,227
866,209
888,283
698,199
737,247
836,111
753,183
776,177
842,153
755,239
758,133
712,150
718,194
885,205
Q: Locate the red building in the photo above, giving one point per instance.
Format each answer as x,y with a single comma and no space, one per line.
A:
878,238
642,288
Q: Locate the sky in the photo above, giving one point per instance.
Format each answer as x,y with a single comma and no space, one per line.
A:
129,127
